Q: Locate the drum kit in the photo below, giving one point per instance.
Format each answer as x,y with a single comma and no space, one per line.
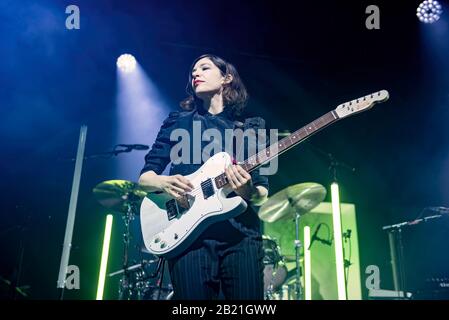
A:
124,197
288,204
137,281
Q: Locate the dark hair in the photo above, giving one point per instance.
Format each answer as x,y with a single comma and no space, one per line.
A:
235,95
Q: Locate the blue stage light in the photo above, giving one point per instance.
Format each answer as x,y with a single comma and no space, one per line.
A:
126,63
429,11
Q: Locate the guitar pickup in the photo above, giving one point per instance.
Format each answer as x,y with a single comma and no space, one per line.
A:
172,209
207,188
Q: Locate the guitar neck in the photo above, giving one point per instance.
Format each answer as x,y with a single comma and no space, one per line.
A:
282,145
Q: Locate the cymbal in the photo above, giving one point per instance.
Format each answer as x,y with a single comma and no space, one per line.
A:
299,198
116,194
292,258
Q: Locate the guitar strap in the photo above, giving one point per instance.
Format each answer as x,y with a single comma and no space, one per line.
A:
250,123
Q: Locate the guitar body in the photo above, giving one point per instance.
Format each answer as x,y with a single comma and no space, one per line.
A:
168,229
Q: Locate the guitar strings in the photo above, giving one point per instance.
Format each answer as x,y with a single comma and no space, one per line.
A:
195,191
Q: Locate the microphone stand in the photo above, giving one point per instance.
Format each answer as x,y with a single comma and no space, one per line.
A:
334,164
410,223
397,250
107,154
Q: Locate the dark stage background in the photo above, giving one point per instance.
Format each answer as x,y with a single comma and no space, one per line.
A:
298,61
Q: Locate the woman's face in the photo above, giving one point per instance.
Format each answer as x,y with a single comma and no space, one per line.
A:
206,78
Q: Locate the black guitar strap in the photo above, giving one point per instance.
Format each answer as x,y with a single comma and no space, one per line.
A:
250,123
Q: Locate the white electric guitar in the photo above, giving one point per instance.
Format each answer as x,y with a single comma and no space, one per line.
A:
170,225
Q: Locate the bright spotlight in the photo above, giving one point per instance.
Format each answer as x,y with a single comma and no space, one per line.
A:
126,63
429,11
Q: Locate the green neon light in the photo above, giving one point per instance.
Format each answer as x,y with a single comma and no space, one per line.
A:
104,256
336,217
307,265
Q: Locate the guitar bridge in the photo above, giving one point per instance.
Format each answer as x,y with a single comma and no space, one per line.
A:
175,207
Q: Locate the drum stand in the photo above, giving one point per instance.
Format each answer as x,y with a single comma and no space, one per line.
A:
141,282
126,286
298,287
124,197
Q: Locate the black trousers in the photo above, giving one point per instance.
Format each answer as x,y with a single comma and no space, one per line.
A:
210,266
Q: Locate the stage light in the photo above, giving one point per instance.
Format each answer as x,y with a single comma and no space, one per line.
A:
141,109
126,63
429,11
339,262
104,256
307,265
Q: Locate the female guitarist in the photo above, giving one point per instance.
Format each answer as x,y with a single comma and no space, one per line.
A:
226,259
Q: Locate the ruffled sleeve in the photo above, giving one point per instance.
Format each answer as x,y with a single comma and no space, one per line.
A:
159,155
258,123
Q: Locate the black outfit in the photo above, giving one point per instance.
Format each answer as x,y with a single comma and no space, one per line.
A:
228,255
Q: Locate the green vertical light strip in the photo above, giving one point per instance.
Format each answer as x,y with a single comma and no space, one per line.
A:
336,218
307,265
104,256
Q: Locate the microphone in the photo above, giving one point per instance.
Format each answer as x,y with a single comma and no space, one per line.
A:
438,209
134,146
314,237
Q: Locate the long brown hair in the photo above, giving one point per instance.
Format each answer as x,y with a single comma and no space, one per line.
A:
235,95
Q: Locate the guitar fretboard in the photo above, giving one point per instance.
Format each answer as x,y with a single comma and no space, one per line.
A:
281,146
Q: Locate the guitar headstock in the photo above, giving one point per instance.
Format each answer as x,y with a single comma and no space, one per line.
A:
361,104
